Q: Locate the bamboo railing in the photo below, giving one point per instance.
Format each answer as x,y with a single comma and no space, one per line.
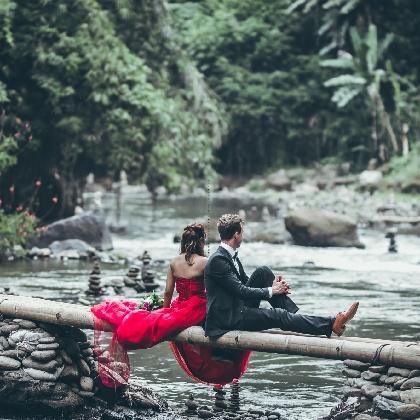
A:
395,353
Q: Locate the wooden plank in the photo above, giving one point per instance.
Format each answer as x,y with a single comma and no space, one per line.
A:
363,349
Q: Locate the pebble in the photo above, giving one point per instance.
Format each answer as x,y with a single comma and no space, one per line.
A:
378,368
44,355
411,383
4,343
351,392
47,340
355,364
397,385
86,394
14,353
408,411
50,366
391,395
370,376
7,329
25,323
382,379
86,383
83,367
351,373
392,380
7,363
41,375
414,373
49,346
412,396
394,371
371,390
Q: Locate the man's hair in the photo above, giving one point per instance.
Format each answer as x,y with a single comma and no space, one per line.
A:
228,225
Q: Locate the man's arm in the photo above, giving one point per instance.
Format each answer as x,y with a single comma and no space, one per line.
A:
220,271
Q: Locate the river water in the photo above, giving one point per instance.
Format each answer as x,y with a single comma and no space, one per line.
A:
323,280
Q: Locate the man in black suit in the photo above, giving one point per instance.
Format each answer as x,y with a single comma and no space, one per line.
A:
233,299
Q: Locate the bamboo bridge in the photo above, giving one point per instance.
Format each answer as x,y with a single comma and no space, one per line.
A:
387,352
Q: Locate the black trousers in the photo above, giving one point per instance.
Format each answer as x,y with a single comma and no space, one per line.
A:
283,312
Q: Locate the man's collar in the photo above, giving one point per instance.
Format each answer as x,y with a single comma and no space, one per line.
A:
228,248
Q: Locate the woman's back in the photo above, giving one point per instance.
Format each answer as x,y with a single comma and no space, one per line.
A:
181,269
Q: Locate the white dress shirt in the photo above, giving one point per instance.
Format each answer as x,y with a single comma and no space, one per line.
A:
232,252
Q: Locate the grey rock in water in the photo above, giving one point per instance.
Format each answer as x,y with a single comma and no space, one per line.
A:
378,368
366,417
391,395
391,380
399,383
44,355
414,373
86,383
7,363
6,329
42,375
394,371
47,340
88,227
14,353
351,373
411,383
81,247
412,396
48,346
4,343
311,227
370,376
382,379
355,364
408,411
24,323
385,408
371,390
351,392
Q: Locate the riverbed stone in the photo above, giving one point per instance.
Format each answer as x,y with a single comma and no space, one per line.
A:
385,408
394,371
41,375
355,364
86,383
44,355
398,384
391,380
50,366
349,391
414,373
8,363
351,373
371,390
378,368
7,329
359,383
364,416
14,353
370,376
25,323
411,383
411,396
408,411
46,340
391,395
49,346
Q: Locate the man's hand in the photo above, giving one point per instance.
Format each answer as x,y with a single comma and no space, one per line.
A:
280,286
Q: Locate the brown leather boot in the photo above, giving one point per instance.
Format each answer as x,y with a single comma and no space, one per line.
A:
343,317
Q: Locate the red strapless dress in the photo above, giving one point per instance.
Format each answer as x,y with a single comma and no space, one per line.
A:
139,329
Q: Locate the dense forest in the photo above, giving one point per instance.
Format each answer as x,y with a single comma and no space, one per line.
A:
176,92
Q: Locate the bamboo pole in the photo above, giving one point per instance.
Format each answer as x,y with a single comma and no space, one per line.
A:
385,352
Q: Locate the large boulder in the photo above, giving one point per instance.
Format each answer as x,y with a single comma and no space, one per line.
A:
88,227
279,181
310,227
370,180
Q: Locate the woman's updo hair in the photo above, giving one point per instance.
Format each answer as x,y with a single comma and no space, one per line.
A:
192,241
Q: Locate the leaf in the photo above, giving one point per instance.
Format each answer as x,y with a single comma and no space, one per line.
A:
345,79
356,40
372,52
344,95
383,45
295,5
338,63
349,6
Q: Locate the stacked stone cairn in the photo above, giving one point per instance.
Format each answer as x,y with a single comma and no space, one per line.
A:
234,401
146,274
133,280
53,368
95,287
374,392
220,403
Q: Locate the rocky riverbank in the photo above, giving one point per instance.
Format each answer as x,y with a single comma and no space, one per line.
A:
53,370
374,392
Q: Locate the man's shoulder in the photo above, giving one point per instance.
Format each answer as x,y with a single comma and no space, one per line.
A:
215,259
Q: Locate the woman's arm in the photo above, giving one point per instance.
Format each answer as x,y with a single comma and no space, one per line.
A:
169,289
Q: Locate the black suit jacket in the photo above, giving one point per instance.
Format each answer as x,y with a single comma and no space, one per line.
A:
226,292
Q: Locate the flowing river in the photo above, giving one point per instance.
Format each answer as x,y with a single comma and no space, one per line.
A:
323,280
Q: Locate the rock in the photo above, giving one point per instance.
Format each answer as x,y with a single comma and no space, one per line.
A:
13,353
351,392
279,181
7,363
391,395
7,329
411,383
397,385
351,373
87,394
77,245
370,179
50,366
89,227
408,411
382,379
359,383
312,227
394,371
4,343
412,396
29,336
378,368
366,417
370,376
41,375
363,404
24,323
371,390
86,383
43,355
390,380
414,373
46,340
49,346
385,408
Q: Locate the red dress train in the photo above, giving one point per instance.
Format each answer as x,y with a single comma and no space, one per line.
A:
140,329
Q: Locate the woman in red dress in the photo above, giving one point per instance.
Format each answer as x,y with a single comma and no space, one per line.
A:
135,328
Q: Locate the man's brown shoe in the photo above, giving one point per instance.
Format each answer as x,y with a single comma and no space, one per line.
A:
343,317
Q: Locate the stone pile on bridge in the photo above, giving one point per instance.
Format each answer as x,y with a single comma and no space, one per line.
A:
374,392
